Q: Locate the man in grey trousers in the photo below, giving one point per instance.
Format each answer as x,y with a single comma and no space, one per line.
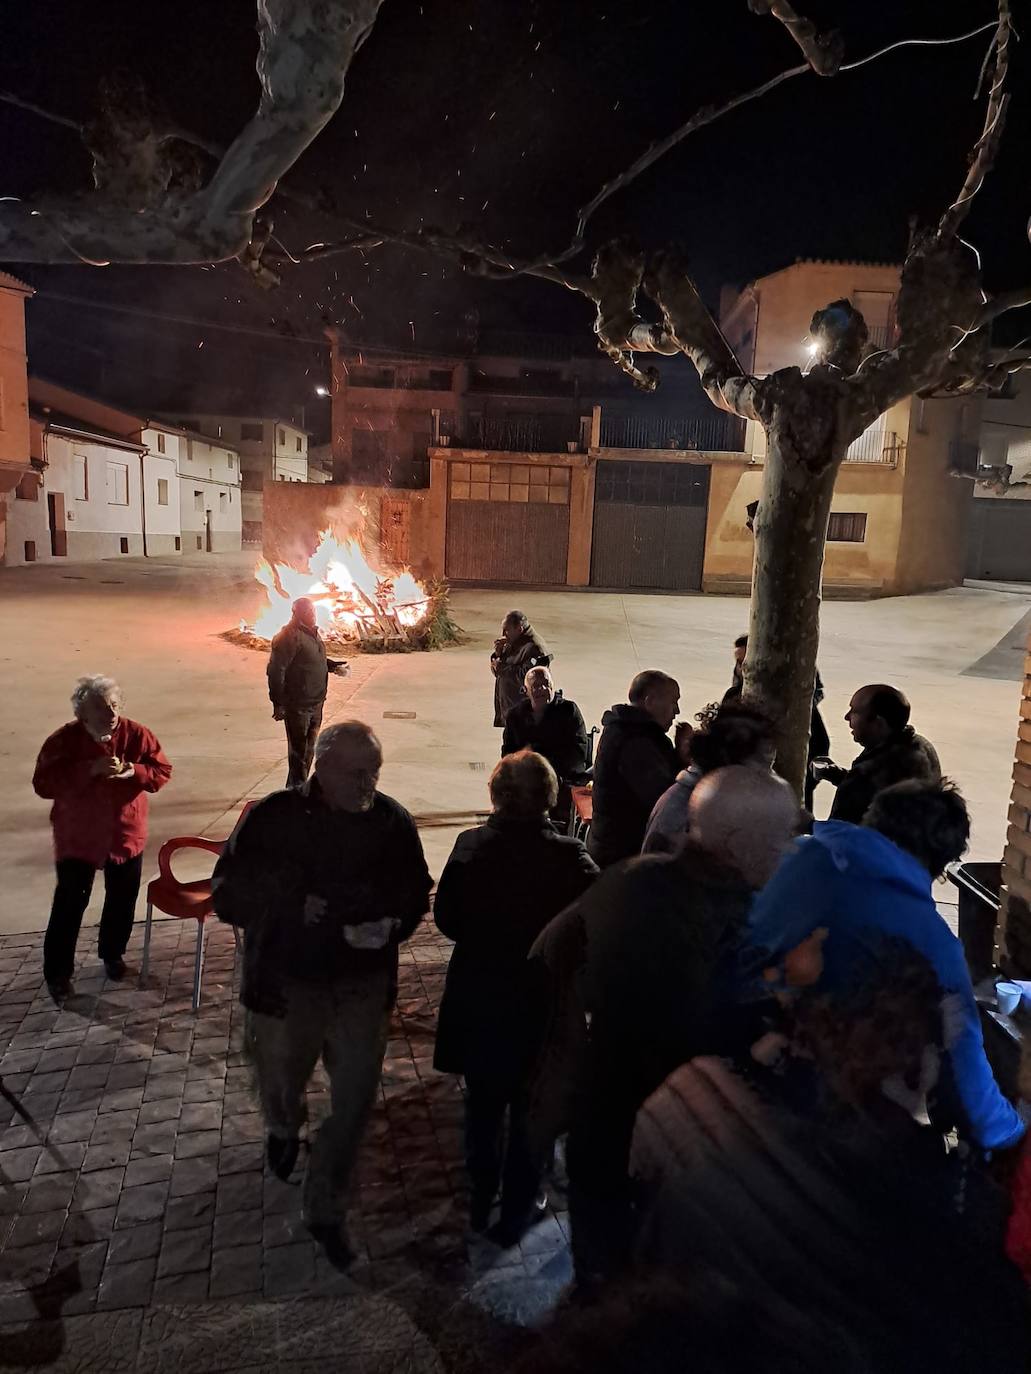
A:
326,880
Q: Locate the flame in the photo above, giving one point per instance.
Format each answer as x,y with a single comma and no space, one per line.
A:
350,598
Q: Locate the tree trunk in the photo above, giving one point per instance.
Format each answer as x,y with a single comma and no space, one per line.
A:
784,629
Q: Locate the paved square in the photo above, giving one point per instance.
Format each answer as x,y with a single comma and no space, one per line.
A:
139,1230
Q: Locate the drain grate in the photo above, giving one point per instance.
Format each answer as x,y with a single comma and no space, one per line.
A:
478,767
399,715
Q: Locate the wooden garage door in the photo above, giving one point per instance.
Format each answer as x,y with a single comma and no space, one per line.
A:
508,522
999,540
649,525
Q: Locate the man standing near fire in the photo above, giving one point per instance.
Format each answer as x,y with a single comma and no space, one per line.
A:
298,680
326,880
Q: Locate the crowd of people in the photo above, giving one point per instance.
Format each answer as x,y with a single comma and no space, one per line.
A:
751,1035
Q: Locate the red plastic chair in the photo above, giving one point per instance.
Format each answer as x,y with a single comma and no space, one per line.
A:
185,901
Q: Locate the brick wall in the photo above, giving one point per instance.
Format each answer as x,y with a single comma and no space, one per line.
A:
1016,871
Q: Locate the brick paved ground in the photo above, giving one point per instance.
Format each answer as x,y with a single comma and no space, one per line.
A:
139,1232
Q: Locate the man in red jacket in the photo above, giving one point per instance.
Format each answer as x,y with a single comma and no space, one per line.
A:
97,770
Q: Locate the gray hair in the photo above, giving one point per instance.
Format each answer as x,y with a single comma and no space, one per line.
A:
540,668
345,732
96,685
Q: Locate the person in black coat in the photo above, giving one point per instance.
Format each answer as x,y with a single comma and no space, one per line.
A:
519,649
635,764
501,886
549,724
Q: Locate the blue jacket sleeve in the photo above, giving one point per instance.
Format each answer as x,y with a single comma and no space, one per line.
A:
993,1122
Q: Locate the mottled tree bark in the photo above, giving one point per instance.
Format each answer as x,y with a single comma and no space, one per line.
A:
784,627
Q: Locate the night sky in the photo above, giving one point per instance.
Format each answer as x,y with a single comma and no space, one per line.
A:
505,115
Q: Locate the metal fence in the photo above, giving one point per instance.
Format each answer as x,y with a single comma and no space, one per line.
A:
520,433
876,445
715,433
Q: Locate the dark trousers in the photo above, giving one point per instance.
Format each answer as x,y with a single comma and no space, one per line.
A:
71,898
302,728
601,1196
492,1162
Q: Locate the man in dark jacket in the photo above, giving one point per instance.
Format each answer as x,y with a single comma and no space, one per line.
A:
878,717
325,880
652,933
519,649
549,724
482,1032
636,763
298,679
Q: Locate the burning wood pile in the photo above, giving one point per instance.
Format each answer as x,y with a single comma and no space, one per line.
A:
356,607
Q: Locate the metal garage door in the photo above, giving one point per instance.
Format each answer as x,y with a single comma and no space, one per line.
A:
999,540
649,525
508,522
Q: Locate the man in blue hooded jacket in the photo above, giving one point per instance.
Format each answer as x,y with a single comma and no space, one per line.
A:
866,884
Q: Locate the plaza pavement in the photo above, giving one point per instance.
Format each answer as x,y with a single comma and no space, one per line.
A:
137,1229
155,625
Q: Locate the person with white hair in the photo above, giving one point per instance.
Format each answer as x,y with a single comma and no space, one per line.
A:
326,879
97,770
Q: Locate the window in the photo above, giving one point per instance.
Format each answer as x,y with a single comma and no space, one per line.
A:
847,528
920,415
162,491
298,443
281,437
439,380
178,544
28,488
223,501
198,500
81,477
117,484
161,443
123,545
371,376
30,551
248,430
231,462
200,542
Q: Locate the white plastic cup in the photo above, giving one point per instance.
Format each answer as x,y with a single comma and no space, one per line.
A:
1007,997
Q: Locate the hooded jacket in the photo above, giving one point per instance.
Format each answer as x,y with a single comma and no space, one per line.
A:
635,764
866,891
667,825
510,667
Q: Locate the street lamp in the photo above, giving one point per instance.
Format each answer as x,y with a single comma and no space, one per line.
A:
322,391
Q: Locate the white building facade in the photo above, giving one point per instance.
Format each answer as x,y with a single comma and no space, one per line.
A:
270,449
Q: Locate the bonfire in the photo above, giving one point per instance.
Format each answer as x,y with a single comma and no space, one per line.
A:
355,606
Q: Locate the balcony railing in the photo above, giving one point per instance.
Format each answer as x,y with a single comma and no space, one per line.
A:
519,434
715,433
876,445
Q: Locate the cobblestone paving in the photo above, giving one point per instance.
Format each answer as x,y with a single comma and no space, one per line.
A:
139,1232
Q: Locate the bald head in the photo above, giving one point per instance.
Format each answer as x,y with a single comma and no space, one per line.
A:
876,714
744,818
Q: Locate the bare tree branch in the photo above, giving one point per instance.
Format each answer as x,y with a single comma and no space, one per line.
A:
1000,304
823,51
305,51
985,150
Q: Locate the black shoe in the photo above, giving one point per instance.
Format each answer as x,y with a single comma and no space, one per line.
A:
510,1230
60,989
282,1155
115,969
337,1250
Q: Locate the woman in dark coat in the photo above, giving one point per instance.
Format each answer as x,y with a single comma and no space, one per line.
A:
519,649
501,886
